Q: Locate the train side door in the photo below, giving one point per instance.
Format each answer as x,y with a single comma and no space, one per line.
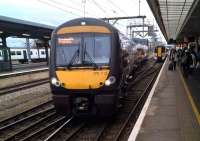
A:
25,55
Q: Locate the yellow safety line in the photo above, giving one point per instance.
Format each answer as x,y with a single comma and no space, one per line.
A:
194,108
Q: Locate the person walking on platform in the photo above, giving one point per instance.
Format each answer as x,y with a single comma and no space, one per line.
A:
186,62
198,59
173,58
194,59
179,56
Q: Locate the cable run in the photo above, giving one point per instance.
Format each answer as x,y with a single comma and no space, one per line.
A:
59,8
117,7
77,9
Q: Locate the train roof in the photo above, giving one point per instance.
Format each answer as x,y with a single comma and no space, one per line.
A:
87,21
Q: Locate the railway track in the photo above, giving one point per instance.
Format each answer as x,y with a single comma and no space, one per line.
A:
113,129
22,86
46,125
122,124
137,93
12,125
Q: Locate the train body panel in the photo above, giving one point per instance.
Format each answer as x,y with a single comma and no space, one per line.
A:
34,54
160,53
1,55
90,63
88,79
21,54
42,53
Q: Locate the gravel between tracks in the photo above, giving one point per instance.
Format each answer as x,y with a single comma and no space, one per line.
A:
20,101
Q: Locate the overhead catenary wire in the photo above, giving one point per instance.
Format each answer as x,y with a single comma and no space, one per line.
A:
77,9
59,8
102,8
99,6
111,2
108,8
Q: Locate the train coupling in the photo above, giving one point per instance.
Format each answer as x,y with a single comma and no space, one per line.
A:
81,104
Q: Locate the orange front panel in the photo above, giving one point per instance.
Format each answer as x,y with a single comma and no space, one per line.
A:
83,29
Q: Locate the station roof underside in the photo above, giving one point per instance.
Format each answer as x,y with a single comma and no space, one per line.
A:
177,18
20,28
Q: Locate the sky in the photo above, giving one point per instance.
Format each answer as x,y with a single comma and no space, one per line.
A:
56,12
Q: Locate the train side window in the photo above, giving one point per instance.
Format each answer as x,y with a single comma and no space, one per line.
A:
13,53
31,53
19,53
42,52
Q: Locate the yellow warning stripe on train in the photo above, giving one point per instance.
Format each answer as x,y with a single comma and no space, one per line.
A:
82,78
194,107
79,29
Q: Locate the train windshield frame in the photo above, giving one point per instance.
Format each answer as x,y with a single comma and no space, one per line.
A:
85,49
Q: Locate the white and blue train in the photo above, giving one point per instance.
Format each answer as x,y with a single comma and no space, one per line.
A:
21,54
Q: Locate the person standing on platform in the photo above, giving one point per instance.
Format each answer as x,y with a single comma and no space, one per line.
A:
175,59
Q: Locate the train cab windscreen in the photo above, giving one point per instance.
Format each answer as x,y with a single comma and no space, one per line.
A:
83,50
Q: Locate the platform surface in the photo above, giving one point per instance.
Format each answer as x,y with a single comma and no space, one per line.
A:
193,82
170,116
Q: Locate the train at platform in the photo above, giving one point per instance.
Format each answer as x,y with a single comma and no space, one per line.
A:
90,64
160,53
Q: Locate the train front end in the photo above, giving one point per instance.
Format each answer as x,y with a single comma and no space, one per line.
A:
83,68
160,53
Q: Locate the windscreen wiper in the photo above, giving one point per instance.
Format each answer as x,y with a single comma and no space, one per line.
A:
73,58
90,58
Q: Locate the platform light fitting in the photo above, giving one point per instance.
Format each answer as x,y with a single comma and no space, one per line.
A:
1,32
24,34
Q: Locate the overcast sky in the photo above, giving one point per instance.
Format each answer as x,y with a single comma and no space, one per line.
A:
56,12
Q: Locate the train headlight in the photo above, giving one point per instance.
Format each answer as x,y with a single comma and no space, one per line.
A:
83,23
111,80
55,82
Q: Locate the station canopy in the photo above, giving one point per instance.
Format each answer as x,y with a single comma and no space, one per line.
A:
172,15
21,28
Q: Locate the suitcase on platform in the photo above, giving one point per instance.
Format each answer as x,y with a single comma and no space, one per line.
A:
170,67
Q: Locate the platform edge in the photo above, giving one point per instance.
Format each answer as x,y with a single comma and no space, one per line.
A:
138,124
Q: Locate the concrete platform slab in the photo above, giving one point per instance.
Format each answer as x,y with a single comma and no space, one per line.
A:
170,116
